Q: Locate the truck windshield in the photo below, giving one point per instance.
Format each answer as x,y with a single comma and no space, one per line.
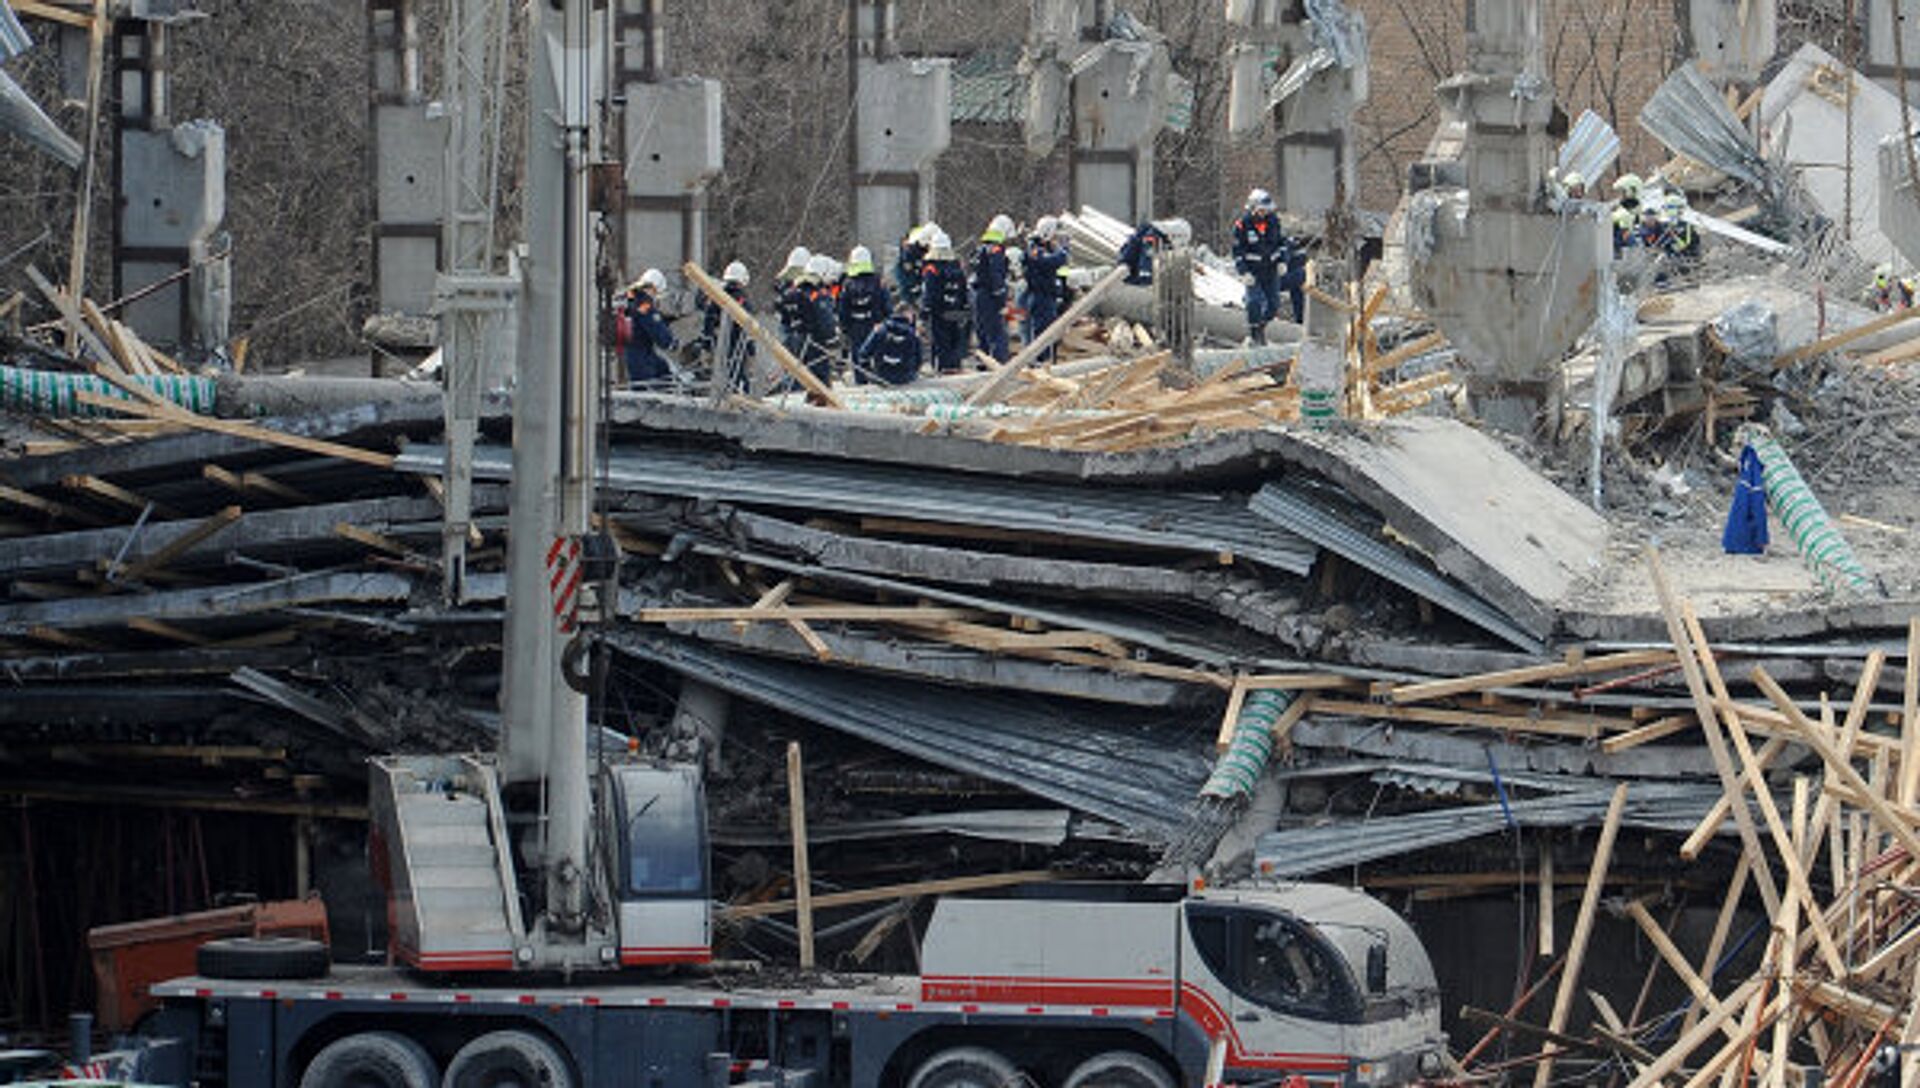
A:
1274,961
663,840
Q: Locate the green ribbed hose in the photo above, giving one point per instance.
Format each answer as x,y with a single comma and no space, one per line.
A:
51,393
1252,744
1792,501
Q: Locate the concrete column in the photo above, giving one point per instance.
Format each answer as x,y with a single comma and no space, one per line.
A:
1314,164
1119,105
408,162
170,184
902,121
672,145
1732,40
1510,278
1883,55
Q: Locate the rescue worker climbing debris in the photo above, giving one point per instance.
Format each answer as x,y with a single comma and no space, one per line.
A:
1260,255
945,301
863,304
1142,246
891,352
989,285
647,330
734,359
1045,261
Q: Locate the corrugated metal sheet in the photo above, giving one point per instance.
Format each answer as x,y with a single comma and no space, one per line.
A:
1181,521
1299,513
1092,761
1590,148
1301,852
1688,116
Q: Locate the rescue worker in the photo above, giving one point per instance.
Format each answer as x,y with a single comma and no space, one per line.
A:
822,325
911,260
1652,232
1627,193
1137,254
648,332
1260,251
1682,240
735,357
1624,227
1046,260
862,305
1889,293
790,302
943,292
989,284
1573,186
891,352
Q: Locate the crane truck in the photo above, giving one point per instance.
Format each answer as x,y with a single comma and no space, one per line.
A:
525,886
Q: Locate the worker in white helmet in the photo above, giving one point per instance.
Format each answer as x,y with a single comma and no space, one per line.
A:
733,358
863,304
647,331
911,261
989,283
1627,192
946,303
1045,258
1261,251
796,265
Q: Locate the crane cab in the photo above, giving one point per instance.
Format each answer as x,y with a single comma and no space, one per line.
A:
654,820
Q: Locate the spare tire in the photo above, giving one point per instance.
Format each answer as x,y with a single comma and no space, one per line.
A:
262,958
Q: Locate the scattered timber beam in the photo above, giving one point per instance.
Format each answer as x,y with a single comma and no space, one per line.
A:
802,866
947,886
1507,678
15,497
83,202
236,429
1603,1046
1842,339
774,348
996,385
179,545
1583,932
1433,341
165,630
114,493
1883,813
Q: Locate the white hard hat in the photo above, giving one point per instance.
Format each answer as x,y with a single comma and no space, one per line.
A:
798,257
1047,227
1001,225
820,265
1573,180
652,280
858,256
937,239
1259,198
736,273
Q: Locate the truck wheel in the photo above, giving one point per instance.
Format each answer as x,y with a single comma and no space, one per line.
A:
508,1059
372,1059
262,958
1119,1069
966,1067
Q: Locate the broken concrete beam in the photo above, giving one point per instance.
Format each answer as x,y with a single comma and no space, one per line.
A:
202,603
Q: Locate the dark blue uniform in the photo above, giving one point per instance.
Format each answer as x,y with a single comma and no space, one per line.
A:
647,334
1045,290
943,291
1137,256
891,351
1260,250
736,355
990,298
807,326
864,304
906,271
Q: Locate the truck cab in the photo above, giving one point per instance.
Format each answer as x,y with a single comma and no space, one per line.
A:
1311,980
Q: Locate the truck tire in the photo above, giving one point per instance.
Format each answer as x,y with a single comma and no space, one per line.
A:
509,1059
371,1059
966,1067
261,958
1119,1069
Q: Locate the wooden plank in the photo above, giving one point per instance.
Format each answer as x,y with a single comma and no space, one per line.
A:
1545,896
70,313
166,630
1530,674
996,385
1433,341
1580,726
90,141
948,886
1128,665
14,496
1583,929
1663,944
1842,339
1235,700
1910,719
752,326
1722,928
379,542
1708,713
114,493
1670,1060
1652,731
817,613
1877,806
53,13
237,429
802,865
1798,883
179,545
1300,681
